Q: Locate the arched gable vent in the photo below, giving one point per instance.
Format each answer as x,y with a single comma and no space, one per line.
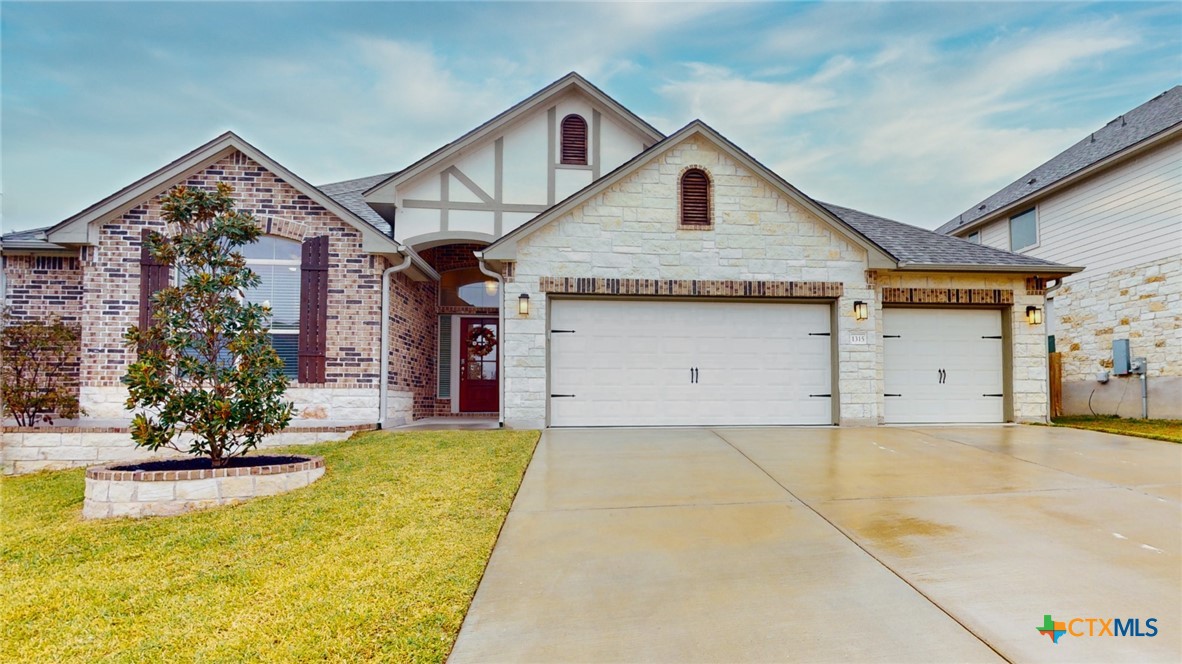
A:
574,140
695,198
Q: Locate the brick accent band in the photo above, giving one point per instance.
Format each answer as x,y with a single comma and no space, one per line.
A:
1036,286
947,296
106,472
691,288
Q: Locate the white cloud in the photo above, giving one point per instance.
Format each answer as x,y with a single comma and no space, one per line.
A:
950,124
730,101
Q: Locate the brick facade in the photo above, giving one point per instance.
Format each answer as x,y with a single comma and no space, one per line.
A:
446,258
100,289
451,256
40,287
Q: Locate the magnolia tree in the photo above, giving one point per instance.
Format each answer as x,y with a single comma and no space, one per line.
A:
206,369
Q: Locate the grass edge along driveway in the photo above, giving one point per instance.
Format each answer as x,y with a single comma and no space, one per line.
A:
1167,430
379,559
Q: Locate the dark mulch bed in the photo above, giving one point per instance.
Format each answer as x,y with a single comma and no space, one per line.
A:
203,463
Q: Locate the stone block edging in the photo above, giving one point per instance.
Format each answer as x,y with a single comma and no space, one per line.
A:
107,472
121,493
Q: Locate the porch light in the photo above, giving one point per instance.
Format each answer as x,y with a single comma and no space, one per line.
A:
861,310
490,287
1034,315
523,304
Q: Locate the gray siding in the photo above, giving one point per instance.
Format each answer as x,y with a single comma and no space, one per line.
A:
1126,216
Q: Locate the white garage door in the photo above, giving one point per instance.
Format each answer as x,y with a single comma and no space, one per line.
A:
942,365
633,362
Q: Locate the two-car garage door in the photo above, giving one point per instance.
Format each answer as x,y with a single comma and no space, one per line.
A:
637,362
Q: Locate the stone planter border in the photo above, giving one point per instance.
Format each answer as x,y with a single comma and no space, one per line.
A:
137,493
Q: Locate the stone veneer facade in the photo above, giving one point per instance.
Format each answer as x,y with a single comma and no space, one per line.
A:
630,231
1143,304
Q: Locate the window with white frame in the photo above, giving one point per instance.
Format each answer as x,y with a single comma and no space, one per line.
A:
1024,230
277,262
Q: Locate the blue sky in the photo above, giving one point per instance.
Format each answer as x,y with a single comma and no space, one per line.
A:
913,111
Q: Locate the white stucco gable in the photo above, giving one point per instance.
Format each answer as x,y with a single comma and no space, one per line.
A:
506,171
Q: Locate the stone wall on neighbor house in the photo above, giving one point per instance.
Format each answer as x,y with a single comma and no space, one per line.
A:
40,287
631,230
1143,304
110,300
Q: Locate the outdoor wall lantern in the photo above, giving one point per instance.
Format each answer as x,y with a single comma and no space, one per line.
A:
1034,315
861,310
523,304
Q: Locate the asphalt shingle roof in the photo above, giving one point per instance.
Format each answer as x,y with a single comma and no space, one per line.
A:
1152,117
916,246
348,193
33,238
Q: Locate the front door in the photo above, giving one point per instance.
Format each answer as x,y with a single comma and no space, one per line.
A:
479,343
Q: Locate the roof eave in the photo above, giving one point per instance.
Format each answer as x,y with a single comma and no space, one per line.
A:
1064,182
1044,270
79,229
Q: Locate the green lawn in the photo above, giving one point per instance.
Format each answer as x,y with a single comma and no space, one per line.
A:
377,560
1170,430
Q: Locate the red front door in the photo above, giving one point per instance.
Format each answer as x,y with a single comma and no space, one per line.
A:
479,348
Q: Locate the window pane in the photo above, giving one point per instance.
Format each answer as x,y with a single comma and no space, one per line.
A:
1023,231
287,345
272,248
263,248
468,288
280,289
483,294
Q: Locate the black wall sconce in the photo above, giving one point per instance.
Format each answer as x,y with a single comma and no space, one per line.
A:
1034,315
861,310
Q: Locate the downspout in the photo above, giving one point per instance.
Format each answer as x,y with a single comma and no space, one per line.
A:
500,342
384,385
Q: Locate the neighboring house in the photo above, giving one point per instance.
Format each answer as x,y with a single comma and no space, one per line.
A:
1112,203
566,264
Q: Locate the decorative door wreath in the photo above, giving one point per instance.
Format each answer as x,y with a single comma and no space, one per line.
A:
481,341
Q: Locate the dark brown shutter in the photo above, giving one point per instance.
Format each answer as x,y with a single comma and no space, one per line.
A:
153,277
695,198
574,140
313,310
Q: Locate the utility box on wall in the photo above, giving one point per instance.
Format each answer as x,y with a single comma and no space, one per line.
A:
1120,357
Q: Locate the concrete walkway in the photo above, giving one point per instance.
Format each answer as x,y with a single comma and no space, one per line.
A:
877,544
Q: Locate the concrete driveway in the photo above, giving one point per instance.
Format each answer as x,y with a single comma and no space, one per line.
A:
877,544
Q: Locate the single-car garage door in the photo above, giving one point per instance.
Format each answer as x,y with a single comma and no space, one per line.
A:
649,362
942,365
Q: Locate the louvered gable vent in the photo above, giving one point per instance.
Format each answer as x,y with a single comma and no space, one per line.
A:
695,198
574,140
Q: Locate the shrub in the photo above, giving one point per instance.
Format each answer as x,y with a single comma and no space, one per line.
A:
35,373
206,366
